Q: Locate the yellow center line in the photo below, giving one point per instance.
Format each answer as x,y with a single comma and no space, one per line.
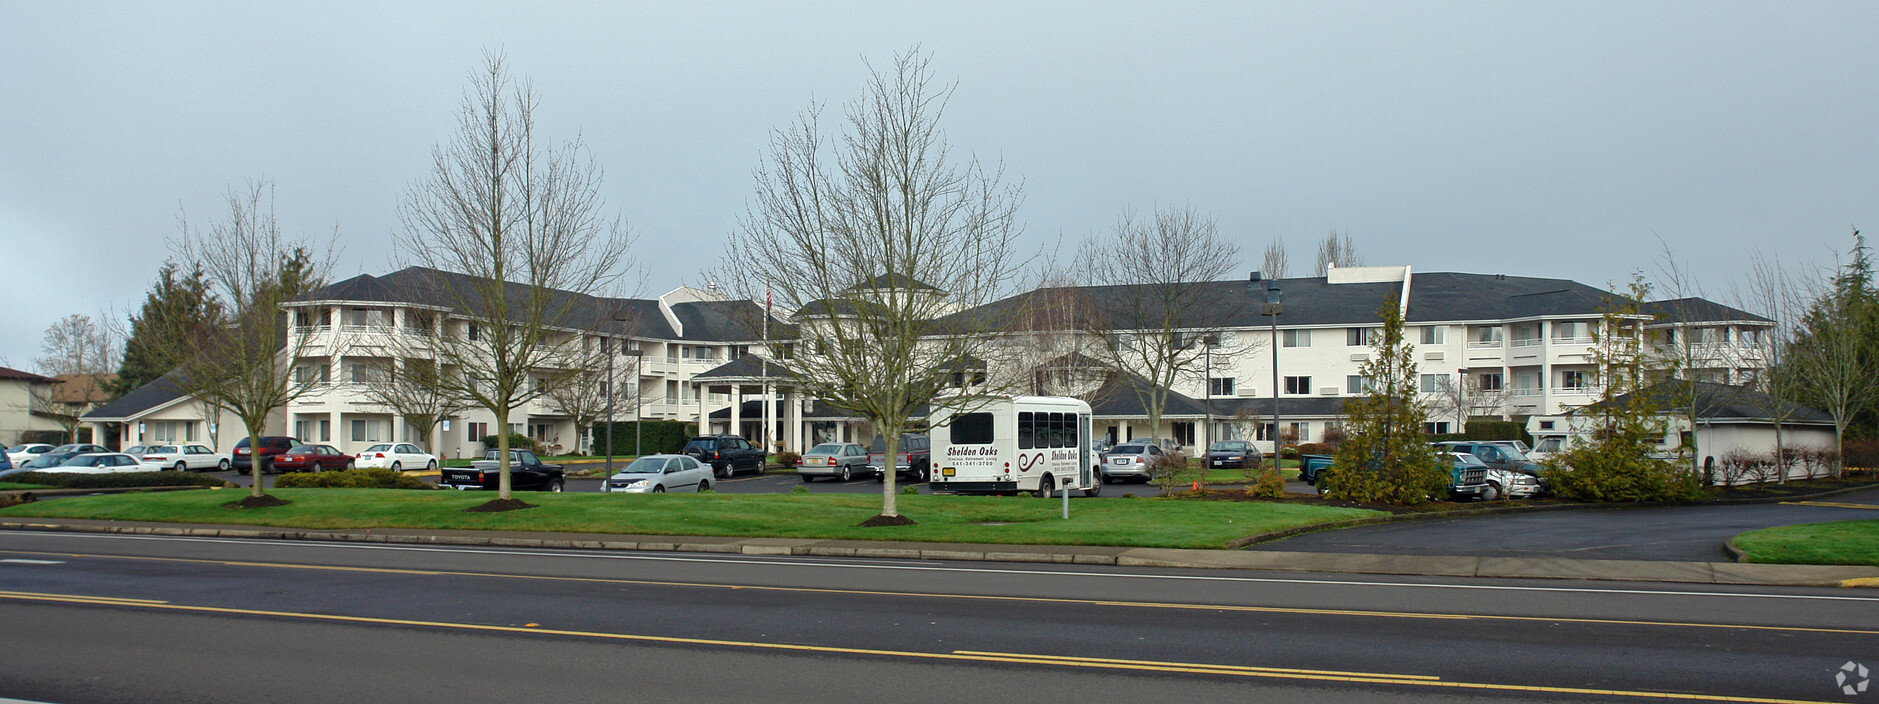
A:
1303,611
1223,668
955,656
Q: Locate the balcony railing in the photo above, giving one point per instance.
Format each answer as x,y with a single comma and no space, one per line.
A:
1526,342
1478,344
1585,340
1528,392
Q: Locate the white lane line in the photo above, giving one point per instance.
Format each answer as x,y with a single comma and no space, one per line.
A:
938,568
34,562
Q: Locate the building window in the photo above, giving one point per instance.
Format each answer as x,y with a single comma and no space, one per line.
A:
1220,386
1439,427
1434,383
1298,385
1566,330
1745,337
1184,432
1487,335
1434,335
1228,340
478,431
1299,432
1490,382
1360,337
1575,380
365,431
1295,338
326,430
1353,384
473,333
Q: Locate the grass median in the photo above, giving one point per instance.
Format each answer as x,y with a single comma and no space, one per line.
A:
1836,543
1169,523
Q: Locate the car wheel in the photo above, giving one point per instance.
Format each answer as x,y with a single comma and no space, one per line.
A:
704,486
555,486
658,489
349,464
880,477
180,467
1096,486
925,475
222,466
805,478
431,466
1044,487
761,467
1493,493
846,473
397,467
723,472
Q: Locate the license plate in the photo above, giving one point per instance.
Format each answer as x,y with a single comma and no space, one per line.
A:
947,471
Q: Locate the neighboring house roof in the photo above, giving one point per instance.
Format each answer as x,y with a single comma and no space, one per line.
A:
1724,402
15,374
705,321
1124,396
1260,409
140,400
78,389
893,281
1698,310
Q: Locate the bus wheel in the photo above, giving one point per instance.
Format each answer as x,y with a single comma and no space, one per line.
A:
1044,486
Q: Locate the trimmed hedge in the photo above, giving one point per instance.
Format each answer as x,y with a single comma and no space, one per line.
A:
373,478
1496,430
517,441
61,480
660,436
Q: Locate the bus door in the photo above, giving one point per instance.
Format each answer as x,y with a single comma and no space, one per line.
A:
1083,450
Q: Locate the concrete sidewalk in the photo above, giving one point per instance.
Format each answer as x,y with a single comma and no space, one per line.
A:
1275,561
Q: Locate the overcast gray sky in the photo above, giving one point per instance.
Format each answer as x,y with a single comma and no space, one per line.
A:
1544,139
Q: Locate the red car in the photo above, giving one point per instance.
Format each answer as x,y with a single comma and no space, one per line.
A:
311,458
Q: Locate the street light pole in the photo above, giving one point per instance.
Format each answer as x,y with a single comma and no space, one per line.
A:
611,380
1274,305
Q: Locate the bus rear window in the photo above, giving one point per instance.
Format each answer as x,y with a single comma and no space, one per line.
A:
972,429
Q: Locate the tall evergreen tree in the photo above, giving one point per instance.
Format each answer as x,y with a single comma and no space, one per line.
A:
1386,457
178,300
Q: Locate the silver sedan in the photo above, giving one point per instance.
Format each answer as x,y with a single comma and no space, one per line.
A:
658,474
841,460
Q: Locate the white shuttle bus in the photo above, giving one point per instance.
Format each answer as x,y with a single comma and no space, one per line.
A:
1008,444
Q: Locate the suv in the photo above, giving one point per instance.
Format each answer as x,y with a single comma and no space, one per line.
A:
1510,475
271,447
914,459
726,454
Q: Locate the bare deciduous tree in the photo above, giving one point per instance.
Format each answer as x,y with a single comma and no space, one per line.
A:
513,232
416,390
1337,250
584,398
876,238
1160,304
1831,354
1276,264
1772,292
244,363
77,345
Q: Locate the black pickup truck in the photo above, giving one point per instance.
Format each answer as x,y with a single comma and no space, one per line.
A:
526,473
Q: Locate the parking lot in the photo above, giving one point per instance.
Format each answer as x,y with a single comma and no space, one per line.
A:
770,483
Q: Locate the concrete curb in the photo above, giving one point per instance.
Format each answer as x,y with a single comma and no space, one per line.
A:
1269,561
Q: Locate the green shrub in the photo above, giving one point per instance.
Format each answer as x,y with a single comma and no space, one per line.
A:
517,441
375,478
1269,486
112,481
788,460
1496,430
1289,452
1316,448
910,491
49,437
1171,472
1616,472
799,489
659,436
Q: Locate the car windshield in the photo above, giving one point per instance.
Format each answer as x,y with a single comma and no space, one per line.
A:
1467,459
1232,446
19,448
1129,450
65,448
84,461
825,449
379,448
645,465
42,462
166,449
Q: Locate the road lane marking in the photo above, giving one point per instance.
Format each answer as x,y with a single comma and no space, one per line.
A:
34,562
888,566
955,656
1224,668
1831,504
1301,611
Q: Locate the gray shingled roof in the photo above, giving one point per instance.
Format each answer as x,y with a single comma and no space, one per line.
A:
139,400
749,366
1728,402
1698,310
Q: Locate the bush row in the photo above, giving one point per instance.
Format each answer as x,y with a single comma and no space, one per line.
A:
374,478
64,480
659,436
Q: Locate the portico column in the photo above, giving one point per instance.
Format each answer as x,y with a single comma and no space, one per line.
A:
737,410
795,421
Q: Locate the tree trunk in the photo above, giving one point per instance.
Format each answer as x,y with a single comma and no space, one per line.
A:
502,450
891,436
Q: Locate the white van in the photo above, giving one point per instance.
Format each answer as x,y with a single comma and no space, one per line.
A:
1008,444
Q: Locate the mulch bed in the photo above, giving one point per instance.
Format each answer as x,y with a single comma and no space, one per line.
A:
499,505
262,501
881,521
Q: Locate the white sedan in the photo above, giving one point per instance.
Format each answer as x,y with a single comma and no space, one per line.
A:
21,454
183,457
98,463
658,474
396,457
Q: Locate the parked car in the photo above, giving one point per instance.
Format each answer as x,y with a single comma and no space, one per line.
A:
1132,460
841,460
312,458
137,450
97,463
37,464
726,454
1236,454
271,446
658,474
1310,465
21,454
180,458
526,473
1546,447
1466,474
913,458
396,456
1509,475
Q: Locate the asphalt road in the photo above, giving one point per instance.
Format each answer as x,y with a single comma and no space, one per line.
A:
1694,533
111,618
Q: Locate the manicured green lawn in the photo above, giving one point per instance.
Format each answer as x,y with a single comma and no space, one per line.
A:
1127,522
1836,543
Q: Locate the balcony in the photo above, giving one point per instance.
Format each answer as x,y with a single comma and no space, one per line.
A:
1524,342
1482,345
